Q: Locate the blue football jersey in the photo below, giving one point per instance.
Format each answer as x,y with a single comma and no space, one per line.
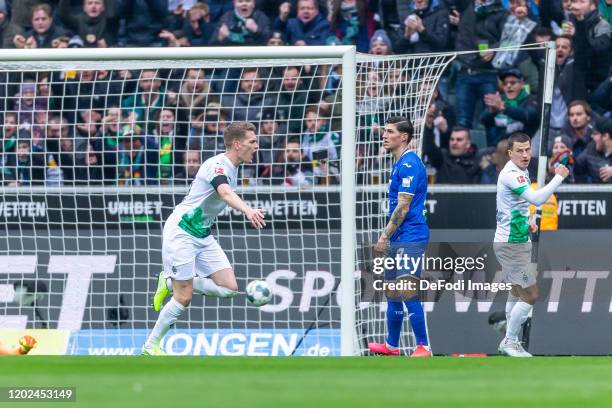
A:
409,176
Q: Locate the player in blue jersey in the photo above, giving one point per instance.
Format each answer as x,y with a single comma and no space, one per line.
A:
406,235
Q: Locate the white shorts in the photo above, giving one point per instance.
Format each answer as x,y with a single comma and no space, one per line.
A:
515,260
185,256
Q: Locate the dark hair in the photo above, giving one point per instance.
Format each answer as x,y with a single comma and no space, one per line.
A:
461,129
403,125
585,105
543,32
517,137
237,130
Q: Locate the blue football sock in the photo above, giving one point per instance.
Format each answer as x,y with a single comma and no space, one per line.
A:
417,321
395,318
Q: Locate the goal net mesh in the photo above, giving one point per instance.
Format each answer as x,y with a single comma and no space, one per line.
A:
95,156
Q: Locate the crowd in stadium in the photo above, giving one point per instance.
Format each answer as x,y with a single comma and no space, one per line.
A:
69,127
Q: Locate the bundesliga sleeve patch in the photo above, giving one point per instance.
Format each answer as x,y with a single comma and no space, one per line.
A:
406,181
521,179
219,170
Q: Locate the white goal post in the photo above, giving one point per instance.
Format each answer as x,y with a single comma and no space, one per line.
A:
104,193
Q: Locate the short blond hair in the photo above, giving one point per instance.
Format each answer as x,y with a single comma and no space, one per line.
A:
237,131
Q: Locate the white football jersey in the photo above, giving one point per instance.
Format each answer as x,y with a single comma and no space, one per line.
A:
197,212
512,210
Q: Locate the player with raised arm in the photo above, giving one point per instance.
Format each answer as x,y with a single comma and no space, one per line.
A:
512,244
406,234
193,261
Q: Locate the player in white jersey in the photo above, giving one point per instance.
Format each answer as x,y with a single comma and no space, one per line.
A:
512,244
193,261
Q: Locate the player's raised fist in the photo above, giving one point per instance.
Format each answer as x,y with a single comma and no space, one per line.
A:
562,171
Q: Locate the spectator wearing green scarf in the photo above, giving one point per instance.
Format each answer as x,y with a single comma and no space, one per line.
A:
515,110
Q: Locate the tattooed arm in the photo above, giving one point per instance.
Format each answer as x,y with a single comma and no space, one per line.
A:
396,219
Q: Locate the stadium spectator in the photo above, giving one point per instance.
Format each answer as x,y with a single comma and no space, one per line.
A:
4,20
515,110
249,101
270,136
90,90
131,165
492,161
143,22
96,25
561,153
242,26
207,131
107,142
149,98
380,43
9,132
26,104
594,165
592,40
457,164
426,30
579,128
43,31
480,29
351,22
190,164
276,39
23,167
89,169
193,94
518,30
291,100
164,147
392,14
198,27
290,168
87,124
317,141
440,117
176,38
569,83
308,28
59,154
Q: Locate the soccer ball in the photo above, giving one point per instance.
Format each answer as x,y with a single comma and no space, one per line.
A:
258,292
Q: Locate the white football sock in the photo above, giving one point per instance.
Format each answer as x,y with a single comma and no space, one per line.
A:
206,286
519,314
167,317
510,304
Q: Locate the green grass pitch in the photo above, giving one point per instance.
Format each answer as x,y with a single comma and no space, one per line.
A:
252,382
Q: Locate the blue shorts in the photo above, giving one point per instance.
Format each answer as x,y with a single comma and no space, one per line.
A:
408,259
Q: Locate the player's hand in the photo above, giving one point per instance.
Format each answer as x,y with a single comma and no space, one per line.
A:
605,173
27,343
380,249
256,216
533,228
562,171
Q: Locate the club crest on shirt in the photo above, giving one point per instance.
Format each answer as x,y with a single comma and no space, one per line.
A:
219,170
406,181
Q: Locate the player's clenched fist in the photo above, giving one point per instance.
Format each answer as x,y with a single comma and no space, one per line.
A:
256,216
562,171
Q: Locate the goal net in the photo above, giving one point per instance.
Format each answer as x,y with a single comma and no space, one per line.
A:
98,149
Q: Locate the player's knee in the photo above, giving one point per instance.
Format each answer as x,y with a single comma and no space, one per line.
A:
183,298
